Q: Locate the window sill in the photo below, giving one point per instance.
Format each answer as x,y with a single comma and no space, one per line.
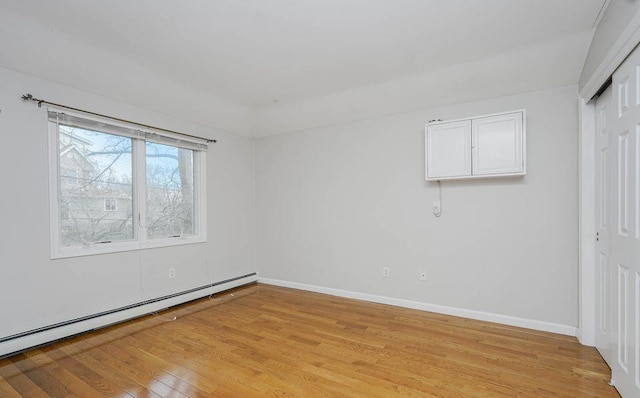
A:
118,247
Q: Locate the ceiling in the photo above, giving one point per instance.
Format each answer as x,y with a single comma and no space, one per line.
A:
259,67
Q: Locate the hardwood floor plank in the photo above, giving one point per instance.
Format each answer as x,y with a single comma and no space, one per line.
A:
98,362
35,371
6,390
76,386
266,341
19,381
208,375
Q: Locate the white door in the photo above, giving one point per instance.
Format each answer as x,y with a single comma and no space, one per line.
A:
604,303
497,144
449,149
625,233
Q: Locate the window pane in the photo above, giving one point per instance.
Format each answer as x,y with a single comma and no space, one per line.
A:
95,183
170,191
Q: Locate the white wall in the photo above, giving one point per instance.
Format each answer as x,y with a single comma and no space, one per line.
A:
336,204
36,291
546,64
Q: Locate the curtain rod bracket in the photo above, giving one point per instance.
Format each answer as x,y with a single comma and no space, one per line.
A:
29,97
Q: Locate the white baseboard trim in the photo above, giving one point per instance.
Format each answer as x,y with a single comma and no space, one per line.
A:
440,309
49,334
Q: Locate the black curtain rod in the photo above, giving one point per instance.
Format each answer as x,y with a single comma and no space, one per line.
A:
29,97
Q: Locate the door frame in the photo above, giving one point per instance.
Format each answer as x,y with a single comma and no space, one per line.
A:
586,331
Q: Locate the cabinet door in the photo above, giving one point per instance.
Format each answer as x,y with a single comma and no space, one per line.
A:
448,153
498,145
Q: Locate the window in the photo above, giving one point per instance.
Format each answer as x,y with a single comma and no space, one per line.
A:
170,191
110,204
116,188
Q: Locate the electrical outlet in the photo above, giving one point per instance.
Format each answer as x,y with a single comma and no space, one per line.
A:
385,272
172,273
423,275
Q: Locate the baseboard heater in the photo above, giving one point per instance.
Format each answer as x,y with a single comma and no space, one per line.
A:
18,342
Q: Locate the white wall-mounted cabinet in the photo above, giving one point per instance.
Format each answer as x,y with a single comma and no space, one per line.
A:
478,147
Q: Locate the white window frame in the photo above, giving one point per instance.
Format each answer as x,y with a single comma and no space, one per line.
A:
140,240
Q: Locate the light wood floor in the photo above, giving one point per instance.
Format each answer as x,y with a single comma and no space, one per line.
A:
276,342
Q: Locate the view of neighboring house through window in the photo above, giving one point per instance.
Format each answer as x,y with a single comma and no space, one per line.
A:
119,188
95,171
110,204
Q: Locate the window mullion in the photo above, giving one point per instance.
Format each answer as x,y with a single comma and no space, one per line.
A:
140,189
200,194
54,188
